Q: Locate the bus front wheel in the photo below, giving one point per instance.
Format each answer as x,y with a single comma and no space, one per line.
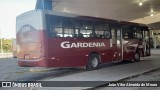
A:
93,62
136,57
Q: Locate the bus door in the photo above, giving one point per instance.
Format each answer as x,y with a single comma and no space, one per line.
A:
117,44
146,43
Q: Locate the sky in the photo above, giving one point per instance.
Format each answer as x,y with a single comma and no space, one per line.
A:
9,10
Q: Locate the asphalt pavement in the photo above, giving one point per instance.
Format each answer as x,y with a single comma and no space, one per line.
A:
10,71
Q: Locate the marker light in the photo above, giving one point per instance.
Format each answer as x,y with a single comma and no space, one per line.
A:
140,3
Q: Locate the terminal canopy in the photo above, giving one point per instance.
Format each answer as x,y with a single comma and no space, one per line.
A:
123,10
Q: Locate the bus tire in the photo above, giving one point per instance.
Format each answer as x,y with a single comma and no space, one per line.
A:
93,62
136,57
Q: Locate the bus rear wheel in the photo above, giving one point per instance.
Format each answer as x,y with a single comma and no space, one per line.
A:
93,62
137,57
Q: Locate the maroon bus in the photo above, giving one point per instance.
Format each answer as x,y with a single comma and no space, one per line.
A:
57,39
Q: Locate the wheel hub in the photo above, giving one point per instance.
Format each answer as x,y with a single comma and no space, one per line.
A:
94,62
136,56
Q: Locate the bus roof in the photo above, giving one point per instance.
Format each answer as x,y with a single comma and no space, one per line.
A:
64,14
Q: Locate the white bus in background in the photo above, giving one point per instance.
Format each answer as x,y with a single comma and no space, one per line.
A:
155,41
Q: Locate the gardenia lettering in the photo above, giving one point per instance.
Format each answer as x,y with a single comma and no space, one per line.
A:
67,44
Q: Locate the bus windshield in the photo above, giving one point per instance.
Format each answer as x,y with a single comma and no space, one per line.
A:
132,33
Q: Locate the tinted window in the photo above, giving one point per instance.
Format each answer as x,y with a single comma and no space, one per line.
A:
132,32
68,26
102,30
54,26
58,26
84,28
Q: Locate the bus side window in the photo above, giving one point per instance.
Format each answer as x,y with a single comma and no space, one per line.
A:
101,36
127,32
86,27
99,33
68,32
68,27
125,35
128,35
80,35
102,30
57,32
92,35
107,34
75,34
